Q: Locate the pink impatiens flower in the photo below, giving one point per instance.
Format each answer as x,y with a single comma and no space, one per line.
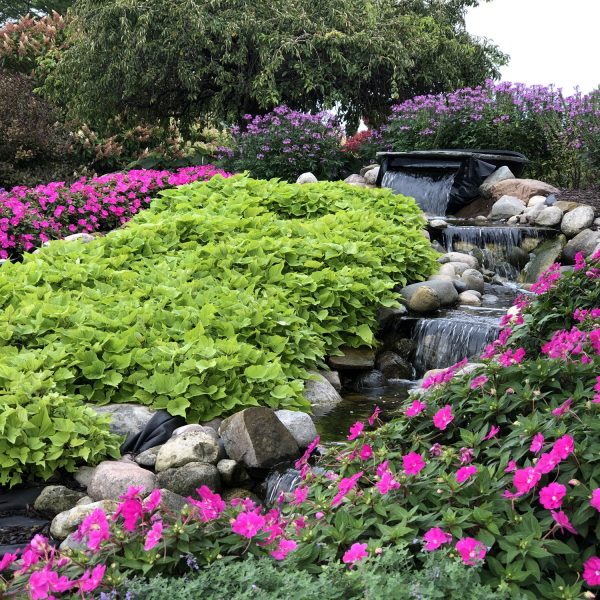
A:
355,430
248,524
493,432
547,462
371,420
443,417
96,528
465,473
88,582
563,521
591,571
537,443
511,357
366,452
211,505
526,479
356,553
386,482
471,551
413,463
563,447
478,381
434,538
415,409
283,549
511,466
563,408
595,501
300,495
7,560
345,486
153,536
131,508
551,496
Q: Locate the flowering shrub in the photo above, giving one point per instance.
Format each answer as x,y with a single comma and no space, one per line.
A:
560,135
285,143
205,303
31,216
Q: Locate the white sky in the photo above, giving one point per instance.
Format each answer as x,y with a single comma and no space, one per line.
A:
549,41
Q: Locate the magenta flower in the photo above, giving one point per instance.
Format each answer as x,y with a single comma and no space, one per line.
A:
356,553
478,382
552,495
366,452
434,538
153,536
443,417
537,444
152,502
416,408
413,463
595,502
283,549
547,462
345,486
493,432
435,450
563,521
211,505
355,430
591,571
7,560
465,473
131,508
511,357
563,408
96,528
387,483
248,524
526,479
466,455
511,467
300,495
471,551
371,420
563,447
88,582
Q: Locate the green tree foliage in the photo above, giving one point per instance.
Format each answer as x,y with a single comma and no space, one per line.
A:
156,59
15,9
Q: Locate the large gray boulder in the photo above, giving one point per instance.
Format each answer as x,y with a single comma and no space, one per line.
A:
585,241
473,280
546,254
506,207
424,300
523,189
334,377
393,366
459,257
67,522
55,499
353,358
371,175
497,176
443,289
307,178
321,394
577,220
126,419
192,446
549,216
147,458
356,179
112,479
187,479
299,424
469,299
257,438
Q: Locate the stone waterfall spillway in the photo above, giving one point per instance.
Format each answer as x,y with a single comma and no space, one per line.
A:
431,194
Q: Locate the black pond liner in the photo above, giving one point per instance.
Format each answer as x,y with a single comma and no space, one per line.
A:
444,181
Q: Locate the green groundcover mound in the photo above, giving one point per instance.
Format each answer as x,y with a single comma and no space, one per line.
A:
218,297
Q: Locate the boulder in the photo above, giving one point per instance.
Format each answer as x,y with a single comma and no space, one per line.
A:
369,381
84,238
307,178
334,377
529,244
368,168
577,220
84,500
523,189
506,207
459,285
113,478
566,206
438,224
231,472
448,270
126,419
531,213
386,316
546,254
55,499
535,201
500,174
371,175
68,521
148,457
172,502
192,446
469,299
514,220
187,479
257,438
353,358
72,543
84,475
299,424
474,280
393,366
424,300
443,289
192,427
549,216
356,179
240,493
459,257
585,241
323,397
460,267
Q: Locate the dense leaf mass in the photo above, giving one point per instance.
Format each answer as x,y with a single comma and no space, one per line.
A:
218,298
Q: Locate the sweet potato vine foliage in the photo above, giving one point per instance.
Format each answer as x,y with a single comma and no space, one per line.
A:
220,296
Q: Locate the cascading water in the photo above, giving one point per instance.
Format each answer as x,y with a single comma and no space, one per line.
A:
278,482
430,194
444,341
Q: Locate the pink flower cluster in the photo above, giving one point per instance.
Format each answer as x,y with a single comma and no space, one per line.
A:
31,216
443,376
471,551
573,345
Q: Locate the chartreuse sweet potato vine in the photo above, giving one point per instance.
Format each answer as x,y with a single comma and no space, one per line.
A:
218,297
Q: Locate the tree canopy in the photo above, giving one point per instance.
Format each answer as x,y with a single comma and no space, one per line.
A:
14,9
219,59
